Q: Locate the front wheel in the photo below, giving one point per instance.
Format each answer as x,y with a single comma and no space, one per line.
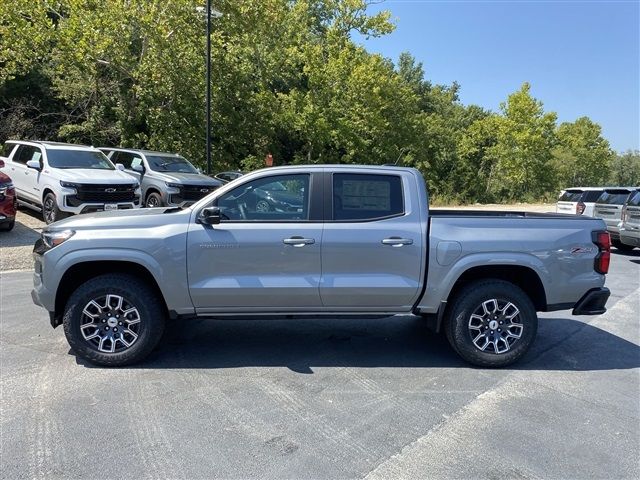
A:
114,320
154,200
50,211
491,323
7,226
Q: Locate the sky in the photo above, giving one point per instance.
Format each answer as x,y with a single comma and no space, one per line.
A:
582,58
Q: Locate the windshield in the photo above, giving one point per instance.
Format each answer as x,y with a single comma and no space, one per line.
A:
172,163
78,159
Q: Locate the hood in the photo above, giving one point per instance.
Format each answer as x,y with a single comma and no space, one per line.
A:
93,175
187,178
123,219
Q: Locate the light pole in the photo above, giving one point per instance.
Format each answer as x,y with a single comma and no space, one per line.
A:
216,14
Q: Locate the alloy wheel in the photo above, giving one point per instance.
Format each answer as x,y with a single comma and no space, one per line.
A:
110,323
495,326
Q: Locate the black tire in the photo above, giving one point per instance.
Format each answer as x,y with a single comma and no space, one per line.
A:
7,226
151,315
469,301
153,200
50,211
622,246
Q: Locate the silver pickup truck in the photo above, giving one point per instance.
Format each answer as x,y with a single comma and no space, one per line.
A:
338,240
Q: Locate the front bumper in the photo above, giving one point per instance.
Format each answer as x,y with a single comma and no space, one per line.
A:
593,302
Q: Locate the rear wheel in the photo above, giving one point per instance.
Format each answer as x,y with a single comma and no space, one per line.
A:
114,320
491,323
622,246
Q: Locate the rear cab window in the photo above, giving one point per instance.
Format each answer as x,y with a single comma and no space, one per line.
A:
366,197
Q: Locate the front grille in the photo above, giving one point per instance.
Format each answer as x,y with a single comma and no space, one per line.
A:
192,193
105,193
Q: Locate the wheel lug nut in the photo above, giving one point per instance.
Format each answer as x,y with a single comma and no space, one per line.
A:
491,332
499,330
107,328
115,329
104,321
120,323
500,322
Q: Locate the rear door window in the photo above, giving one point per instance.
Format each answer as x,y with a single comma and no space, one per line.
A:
613,197
362,197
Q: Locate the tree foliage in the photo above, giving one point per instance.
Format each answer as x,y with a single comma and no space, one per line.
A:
289,80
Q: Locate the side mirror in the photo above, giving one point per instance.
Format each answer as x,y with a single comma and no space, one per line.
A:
120,167
209,216
1,163
138,168
35,164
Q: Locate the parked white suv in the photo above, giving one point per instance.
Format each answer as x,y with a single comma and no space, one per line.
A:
579,200
61,179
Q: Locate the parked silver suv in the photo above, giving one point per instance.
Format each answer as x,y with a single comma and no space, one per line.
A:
630,224
609,208
166,179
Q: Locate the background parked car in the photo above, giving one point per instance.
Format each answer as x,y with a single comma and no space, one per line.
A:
609,208
166,179
8,202
226,177
630,224
578,200
60,179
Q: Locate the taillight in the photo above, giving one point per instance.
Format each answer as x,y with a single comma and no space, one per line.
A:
580,208
623,217
602,239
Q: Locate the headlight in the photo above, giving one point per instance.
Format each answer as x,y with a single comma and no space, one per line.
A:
172,185
4,187
73,186
136,186
53,239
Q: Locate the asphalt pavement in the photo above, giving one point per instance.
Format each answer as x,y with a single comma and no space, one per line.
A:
324,399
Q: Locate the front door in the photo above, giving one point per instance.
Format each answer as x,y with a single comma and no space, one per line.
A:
265,253
373,249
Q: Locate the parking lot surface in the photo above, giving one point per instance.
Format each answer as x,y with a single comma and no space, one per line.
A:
324,398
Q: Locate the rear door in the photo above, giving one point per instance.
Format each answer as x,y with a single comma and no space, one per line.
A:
372,246
259,260
632,217
609,207
568,201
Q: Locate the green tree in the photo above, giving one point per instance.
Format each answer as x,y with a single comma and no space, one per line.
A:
625,169
582,157
525,137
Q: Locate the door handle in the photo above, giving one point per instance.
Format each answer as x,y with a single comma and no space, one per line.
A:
298,241
397,241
